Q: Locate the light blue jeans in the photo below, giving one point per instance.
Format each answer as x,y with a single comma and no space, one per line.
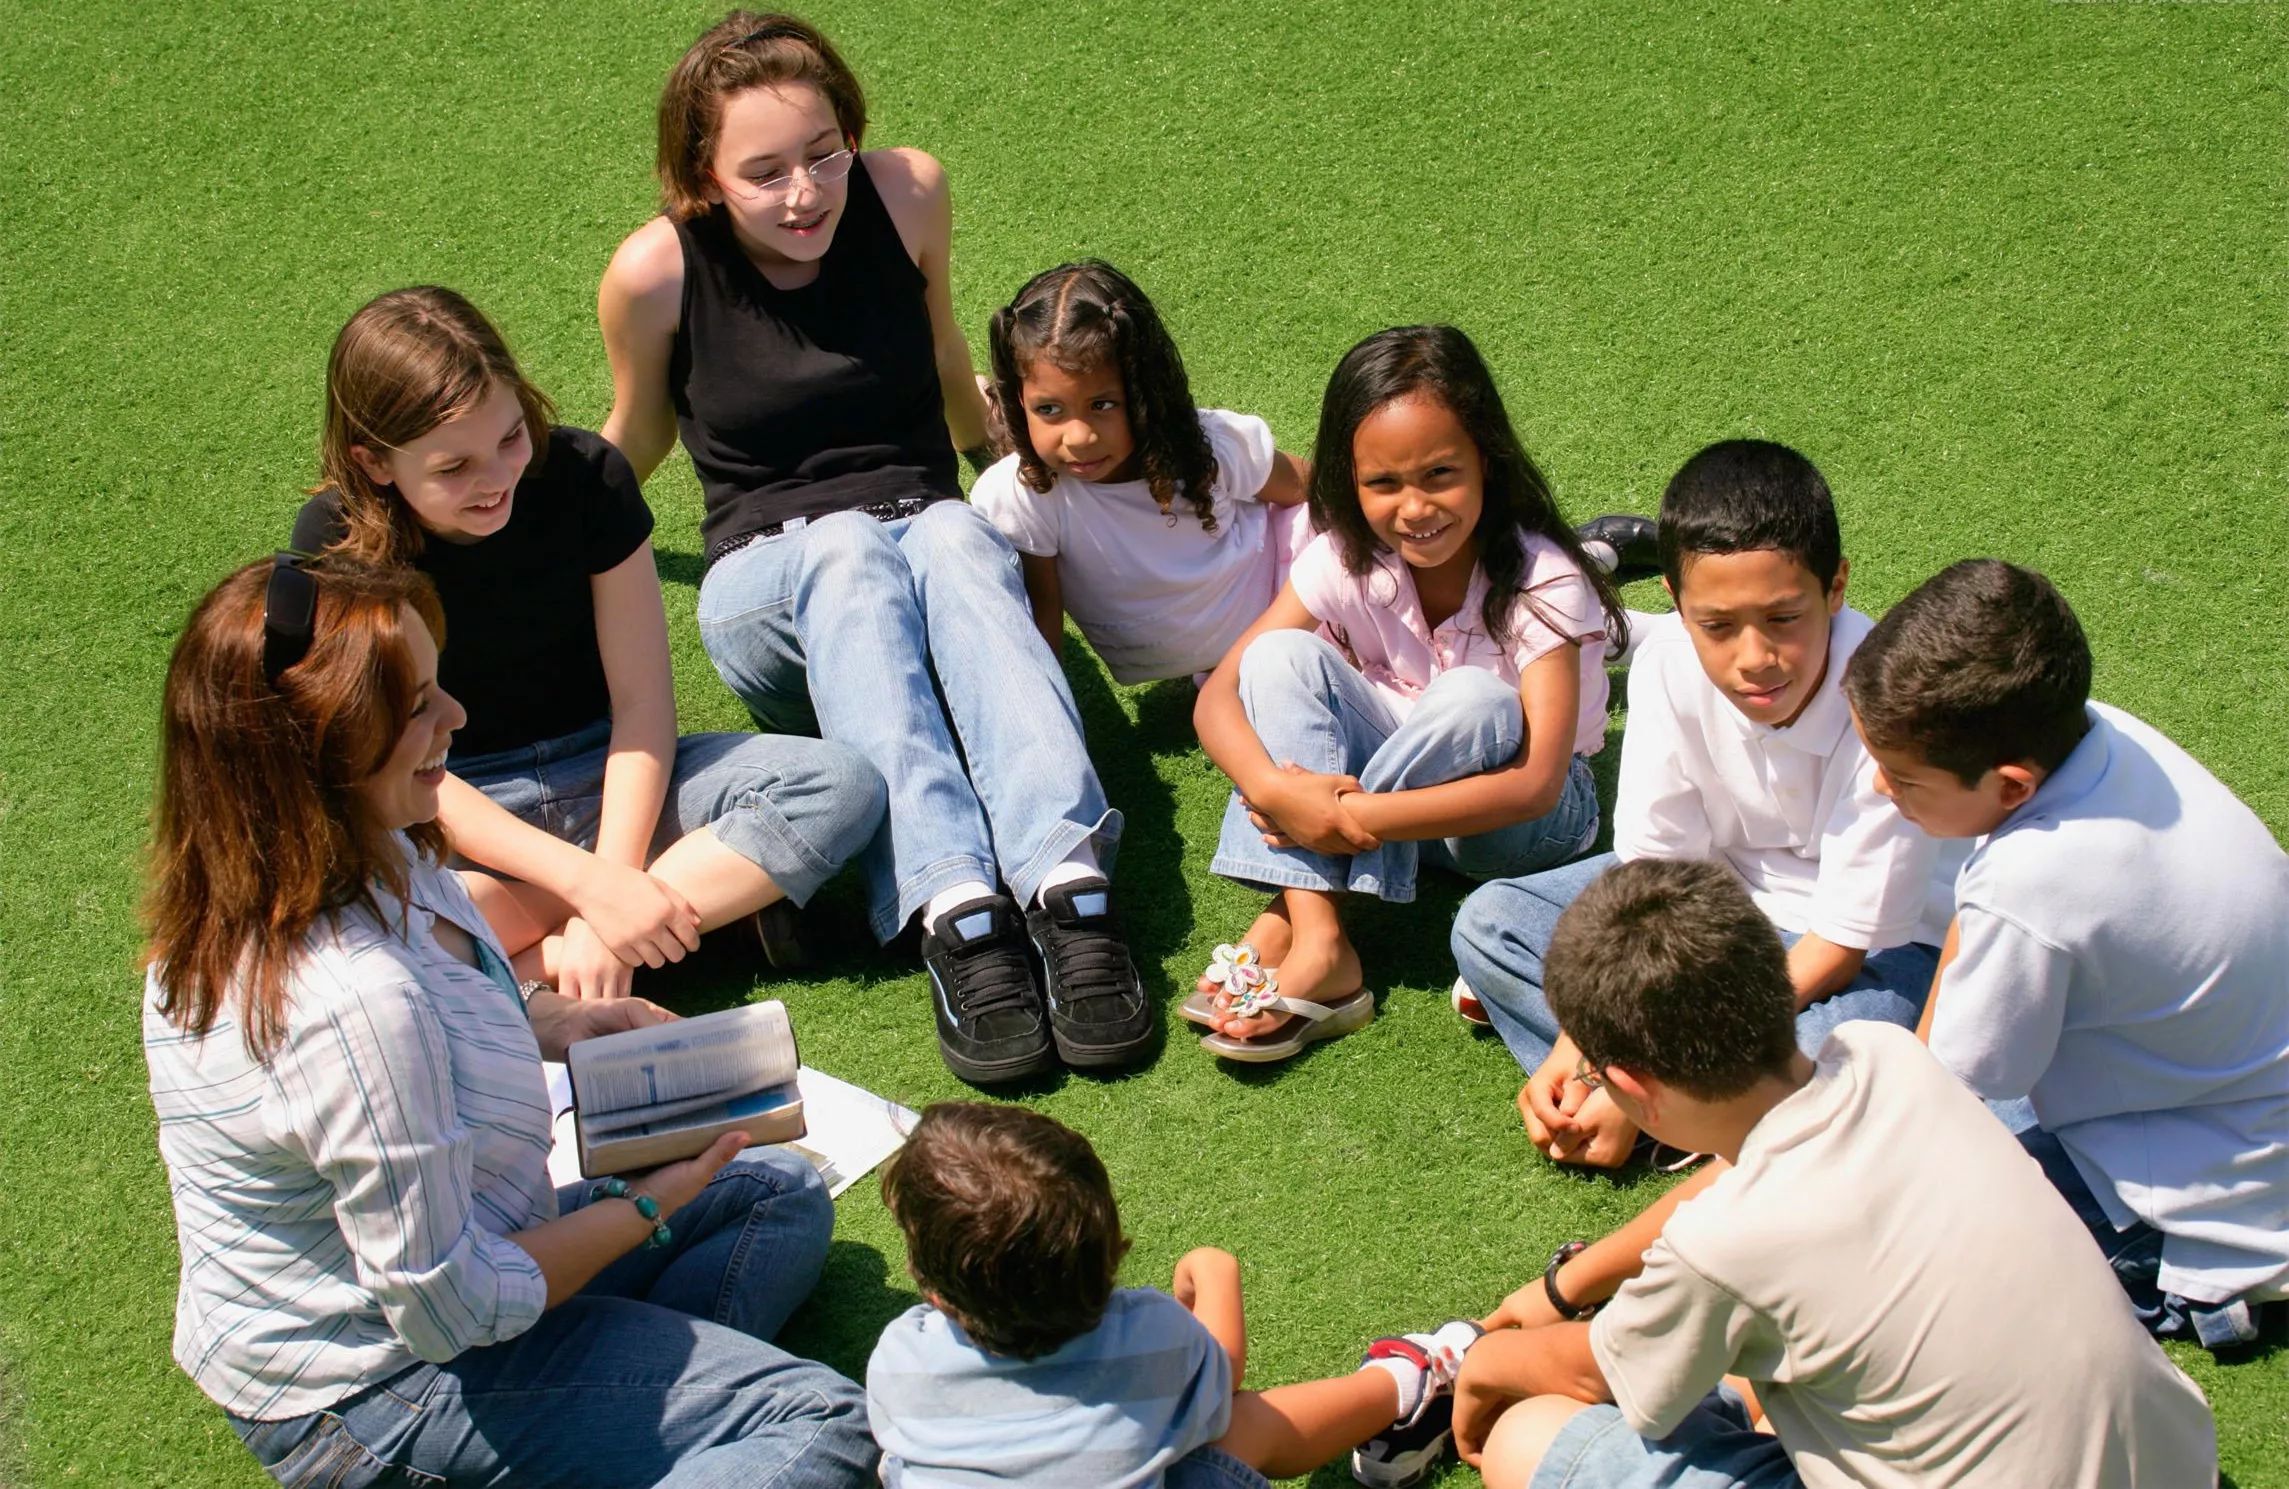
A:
1715,1447
657,1372
912,643
1309,705
1504,928
797,808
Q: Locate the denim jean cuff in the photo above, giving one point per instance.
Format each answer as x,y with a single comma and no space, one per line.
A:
1104,835
759,832
1271,874
889,918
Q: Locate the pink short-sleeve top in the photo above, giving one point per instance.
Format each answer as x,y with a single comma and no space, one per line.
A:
1377,619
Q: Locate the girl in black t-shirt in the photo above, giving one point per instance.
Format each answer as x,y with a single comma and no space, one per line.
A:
612,842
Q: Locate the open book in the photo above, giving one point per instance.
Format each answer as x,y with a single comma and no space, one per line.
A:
654,1095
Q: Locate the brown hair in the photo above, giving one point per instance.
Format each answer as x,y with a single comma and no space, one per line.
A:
407,362
1984,664
1010,1224
259,831
1667,967
743,50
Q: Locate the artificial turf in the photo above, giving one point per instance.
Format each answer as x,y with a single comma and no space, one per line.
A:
2012,272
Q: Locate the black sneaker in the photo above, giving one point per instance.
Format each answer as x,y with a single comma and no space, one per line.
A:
778,932
1626,546
990,1024
1097,1010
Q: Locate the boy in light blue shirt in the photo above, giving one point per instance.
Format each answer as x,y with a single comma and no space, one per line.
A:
2120,952
1026,1366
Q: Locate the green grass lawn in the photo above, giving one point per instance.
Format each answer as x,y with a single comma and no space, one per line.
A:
2011,271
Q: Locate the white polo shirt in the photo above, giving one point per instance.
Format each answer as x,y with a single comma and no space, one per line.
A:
1793,810
2124,963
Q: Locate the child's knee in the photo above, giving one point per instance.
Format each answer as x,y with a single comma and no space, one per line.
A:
1521,1438
1287,661
1472,713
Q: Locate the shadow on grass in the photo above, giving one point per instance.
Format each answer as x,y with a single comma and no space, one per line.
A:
679,567
1155,910
859,1293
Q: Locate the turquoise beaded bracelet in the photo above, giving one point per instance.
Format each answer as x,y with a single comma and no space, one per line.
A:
646,1206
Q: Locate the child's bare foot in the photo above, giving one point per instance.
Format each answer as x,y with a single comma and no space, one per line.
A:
1321,966
1271,935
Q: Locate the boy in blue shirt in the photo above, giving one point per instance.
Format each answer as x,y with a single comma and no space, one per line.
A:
1739,749
1027,1365
2120,951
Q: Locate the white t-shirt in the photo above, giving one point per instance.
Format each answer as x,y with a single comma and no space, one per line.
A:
1156,594
2124,962
1794,811
1913,1301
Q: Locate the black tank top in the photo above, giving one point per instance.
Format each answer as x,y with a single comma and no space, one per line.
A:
801,402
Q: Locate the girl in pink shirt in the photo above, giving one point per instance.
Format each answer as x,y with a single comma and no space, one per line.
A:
1425,688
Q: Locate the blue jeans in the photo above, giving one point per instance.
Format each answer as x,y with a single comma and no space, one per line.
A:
655,1373
797,808
1504,928
1715,1447
1310,706
852,629
2136,1257
1213,1468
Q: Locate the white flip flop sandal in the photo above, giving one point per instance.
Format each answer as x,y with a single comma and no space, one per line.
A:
1313,1022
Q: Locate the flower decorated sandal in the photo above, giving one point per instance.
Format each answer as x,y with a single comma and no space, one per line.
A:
1237,970
1311,1023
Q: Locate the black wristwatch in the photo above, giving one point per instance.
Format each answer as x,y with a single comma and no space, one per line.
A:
1563,1255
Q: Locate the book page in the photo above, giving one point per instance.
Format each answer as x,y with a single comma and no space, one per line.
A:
713,1056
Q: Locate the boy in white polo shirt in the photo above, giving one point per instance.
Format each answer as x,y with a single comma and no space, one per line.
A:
1907,1300
1739,748
2120,953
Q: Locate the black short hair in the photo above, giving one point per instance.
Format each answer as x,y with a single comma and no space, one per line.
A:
1746,496
1667,967
1983,665
1009,1221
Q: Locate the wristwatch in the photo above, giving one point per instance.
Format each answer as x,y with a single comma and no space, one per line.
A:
1558,1258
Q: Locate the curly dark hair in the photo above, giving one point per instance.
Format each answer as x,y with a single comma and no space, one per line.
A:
1439,362
1085,315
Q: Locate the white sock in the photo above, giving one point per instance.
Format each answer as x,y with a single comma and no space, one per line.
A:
947,899
1412,1380
1077,865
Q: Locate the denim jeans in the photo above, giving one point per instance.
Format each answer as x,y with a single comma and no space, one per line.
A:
797,808
2136,1257
1309,705
1504,928
1213,1468
655,1373
912,642
1715,1447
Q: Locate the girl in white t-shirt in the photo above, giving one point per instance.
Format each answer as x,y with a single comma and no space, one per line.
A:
1163,528
1426,688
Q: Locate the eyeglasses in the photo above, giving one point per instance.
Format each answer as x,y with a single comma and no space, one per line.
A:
824,171
1589,1075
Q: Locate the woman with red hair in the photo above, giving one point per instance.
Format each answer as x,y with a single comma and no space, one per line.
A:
378,1281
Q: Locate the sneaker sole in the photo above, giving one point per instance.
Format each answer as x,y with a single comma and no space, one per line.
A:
999,1072
1467,1004
1419,1466
1103,1056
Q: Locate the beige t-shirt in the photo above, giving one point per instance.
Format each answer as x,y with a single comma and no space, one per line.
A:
1915,1303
